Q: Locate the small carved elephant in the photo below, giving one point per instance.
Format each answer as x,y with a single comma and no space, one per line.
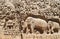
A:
54,26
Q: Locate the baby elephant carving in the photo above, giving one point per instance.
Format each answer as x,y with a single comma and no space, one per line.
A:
54,26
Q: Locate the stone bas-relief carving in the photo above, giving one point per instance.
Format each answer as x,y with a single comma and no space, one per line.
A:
37,23
53,26
18,17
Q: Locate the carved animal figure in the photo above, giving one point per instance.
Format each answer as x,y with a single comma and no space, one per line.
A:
54,26
39,24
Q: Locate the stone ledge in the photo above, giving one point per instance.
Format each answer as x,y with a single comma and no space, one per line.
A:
31,36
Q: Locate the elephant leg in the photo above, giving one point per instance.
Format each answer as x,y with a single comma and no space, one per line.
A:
32,28
45,31
27,30
24,30
49,31
52,31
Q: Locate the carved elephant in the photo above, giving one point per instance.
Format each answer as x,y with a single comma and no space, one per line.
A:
54,26
39,24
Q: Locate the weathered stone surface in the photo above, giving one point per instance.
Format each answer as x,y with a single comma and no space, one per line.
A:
29,19
41,36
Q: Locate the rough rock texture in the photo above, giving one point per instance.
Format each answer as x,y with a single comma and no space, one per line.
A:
14,22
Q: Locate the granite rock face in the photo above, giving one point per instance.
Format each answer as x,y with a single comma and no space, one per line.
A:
29,17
